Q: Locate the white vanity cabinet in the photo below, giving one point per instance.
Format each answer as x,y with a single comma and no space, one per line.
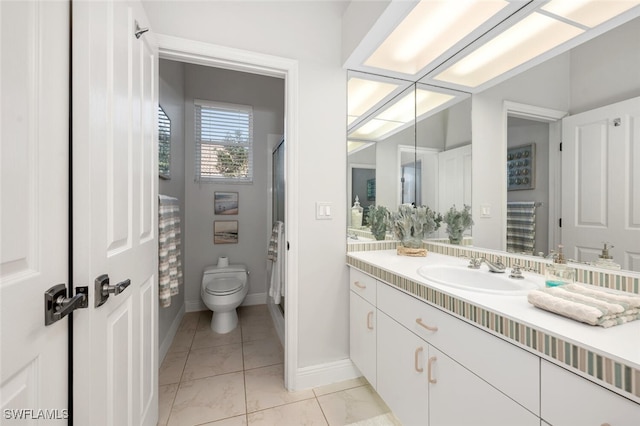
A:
568,399
362,324
402,372
422,385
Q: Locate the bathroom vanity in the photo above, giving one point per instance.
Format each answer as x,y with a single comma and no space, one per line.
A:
440,354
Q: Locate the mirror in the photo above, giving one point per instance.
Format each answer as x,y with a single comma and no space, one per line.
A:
528,109
164,144
525,109
402,158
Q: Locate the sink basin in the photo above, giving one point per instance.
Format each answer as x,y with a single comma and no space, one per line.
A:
479,280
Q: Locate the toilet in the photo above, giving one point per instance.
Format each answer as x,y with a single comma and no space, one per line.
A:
223,290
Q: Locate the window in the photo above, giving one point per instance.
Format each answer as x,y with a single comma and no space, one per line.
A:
164,144
224,142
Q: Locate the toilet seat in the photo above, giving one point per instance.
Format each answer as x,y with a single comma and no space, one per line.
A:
224,286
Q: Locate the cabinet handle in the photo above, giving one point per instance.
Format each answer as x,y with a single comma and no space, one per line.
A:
357,284
428,327
417,359
369,318
430,369
605,424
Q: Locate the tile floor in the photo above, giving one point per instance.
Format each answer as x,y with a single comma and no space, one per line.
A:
237,379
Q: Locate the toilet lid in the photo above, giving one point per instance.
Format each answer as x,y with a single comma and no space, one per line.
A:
223,286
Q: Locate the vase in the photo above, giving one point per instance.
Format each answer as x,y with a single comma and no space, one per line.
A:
455,236
412,242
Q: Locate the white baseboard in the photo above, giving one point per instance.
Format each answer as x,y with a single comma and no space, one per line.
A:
325,374
255,299
251,299
171,333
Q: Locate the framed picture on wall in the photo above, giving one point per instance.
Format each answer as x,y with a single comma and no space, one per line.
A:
521,161
225,203
225,232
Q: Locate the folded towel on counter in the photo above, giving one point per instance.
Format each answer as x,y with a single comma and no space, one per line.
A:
588,304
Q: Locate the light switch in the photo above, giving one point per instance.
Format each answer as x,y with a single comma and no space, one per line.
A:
485,210
323,210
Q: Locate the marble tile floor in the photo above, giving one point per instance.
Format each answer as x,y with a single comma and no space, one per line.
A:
237,379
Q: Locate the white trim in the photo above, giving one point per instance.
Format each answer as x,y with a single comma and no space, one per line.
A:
196,52
278,319
255,299
325,374
171,334
545,115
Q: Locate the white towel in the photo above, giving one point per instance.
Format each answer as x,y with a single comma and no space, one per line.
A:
275,254
588,304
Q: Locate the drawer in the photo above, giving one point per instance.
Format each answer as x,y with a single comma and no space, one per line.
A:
363,285
568,399
507,367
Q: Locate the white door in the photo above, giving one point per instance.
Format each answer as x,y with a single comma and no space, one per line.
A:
601,183
33,199
454,180
115,213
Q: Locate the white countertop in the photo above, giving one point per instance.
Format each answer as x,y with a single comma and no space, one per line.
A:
620,343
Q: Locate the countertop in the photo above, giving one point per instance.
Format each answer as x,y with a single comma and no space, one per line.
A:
620,343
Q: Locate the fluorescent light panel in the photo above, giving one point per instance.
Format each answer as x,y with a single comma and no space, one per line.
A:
356,145
401,113
590,13
533,36
365,94
431,28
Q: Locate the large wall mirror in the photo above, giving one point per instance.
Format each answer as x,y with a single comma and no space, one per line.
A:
587,97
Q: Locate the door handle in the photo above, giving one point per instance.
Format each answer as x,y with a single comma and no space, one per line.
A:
57,305
104,289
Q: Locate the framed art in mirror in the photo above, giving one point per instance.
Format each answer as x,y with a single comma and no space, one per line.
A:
521,167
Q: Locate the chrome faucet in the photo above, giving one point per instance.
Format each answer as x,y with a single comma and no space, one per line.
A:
496,266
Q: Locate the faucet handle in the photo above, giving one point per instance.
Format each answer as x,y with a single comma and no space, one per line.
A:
475,262
516,272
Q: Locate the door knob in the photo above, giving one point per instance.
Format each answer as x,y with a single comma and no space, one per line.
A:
104,289
57,305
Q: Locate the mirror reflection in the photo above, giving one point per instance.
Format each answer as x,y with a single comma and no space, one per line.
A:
586,98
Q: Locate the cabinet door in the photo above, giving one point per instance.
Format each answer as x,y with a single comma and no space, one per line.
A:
362,341
568,399
402,378
459,397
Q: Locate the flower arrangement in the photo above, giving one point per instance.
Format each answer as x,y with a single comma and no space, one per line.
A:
457,222
378,217
411,224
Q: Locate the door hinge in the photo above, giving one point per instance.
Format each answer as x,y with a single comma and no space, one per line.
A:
57,305
560,222
560,146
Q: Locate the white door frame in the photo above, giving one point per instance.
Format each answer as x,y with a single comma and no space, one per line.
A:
195,52
553,117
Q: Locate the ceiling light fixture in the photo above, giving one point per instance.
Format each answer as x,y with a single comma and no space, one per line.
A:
590,13
430,29
532,36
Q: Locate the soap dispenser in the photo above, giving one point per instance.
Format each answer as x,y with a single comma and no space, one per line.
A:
605,260
559,273
356,214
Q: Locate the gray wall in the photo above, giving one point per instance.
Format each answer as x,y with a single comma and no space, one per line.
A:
266,95
172,101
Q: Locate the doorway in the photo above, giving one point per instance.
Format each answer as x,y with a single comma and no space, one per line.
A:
234,59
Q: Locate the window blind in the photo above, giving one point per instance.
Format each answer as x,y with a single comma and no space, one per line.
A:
224,142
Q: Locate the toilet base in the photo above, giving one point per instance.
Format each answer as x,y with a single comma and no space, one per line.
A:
224,322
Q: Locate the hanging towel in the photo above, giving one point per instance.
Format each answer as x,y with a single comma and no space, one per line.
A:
588,304
521,227
276,262
169,258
